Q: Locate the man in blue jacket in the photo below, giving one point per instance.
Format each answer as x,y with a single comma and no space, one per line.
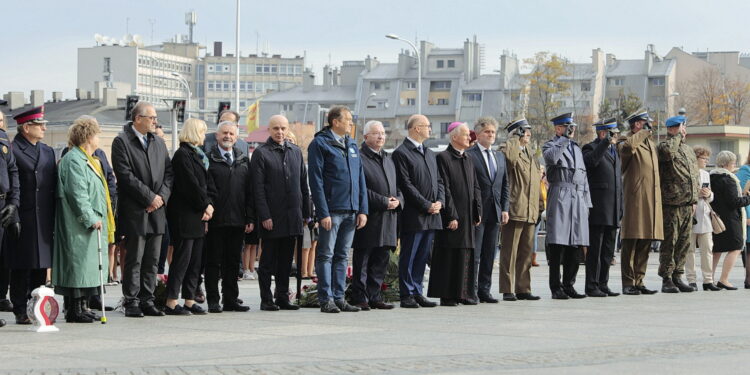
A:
340,197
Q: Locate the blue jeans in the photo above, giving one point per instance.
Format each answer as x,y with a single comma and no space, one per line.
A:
331,257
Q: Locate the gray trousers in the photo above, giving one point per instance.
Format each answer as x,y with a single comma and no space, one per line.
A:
485,247
141,265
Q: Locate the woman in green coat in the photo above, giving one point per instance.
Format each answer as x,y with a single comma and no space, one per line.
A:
83,212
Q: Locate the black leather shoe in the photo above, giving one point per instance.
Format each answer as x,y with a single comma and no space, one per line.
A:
681,285
596,293
96,305
286,305
177,311
468,302
196,309
747,286
711,287
364,306
608,292
214,308
509,297
268,306
487,299
6,305
409,303
527,297
448,302
724,286
235,307
345,307
151,310
380,305
329,307
644,290
424,302
694,286
559,294
667,286
2,323
133,312
573,293
22,319
631,291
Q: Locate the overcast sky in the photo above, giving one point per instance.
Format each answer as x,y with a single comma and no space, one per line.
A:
40,37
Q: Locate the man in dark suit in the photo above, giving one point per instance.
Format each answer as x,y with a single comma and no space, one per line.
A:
373,243
493,181
212,140
281,196
419,181
605,181
144,181
30,254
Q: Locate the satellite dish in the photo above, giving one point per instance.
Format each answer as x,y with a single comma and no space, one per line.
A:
98,38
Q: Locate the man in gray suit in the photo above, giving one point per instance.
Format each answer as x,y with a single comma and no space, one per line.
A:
144,181
492,177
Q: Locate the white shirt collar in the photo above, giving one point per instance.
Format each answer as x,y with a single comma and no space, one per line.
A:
482,148
413,141
139,134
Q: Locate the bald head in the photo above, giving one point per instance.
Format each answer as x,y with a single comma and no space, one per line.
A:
419,127
278,126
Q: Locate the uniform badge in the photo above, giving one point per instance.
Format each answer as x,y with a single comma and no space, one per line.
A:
5,149
353,151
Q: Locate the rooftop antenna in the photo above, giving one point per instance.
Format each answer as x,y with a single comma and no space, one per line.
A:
191,18
257,43
152,22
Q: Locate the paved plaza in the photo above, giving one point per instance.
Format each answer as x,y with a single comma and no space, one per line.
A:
702,332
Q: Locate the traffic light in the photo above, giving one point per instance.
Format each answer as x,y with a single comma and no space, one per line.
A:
179,107
223,106
130,102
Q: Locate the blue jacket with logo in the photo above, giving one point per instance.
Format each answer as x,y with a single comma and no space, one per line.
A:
337,182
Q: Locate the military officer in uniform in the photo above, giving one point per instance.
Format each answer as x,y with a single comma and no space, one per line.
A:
8,194
567,208
642,221
30,254
605,182
680,186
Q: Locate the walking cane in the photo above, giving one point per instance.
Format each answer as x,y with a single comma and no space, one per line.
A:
298,248
101,274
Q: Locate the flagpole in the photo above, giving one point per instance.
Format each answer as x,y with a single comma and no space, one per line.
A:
237,52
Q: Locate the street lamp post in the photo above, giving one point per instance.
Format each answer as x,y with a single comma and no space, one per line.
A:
419,69
363,113
184,82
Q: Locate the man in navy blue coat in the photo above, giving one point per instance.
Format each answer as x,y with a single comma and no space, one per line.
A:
493,181
339,193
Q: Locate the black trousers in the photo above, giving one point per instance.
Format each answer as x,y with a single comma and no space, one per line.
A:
567,256
185,269
276,259
486,246
4,281
141,264
599,256
22,283
368,271
223,252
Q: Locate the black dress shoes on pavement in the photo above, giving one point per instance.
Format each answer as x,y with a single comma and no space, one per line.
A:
509,297
133,312
196,309
631,291
608,291
214,308
22,319
724,286
468,302
694,286
487,299
409,303
448,302
235,307
527,297
711,287
684,288
573,293
329,307
151,310
6,305
596,293
177,311
667,286
364,306
644,290
424,302
346,307
286,305
268,306
559,294
380,305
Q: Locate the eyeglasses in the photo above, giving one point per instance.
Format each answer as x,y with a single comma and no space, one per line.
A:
152,118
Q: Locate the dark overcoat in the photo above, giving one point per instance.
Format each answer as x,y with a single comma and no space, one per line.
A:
189,198
605,182
382,223
420,183
729,206
230,189
462,200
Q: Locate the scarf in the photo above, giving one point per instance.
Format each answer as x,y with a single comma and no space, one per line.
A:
202,154
94,161
739,194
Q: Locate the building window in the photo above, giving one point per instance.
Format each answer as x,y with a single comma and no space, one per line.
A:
442,101
286,107
411,102
107,64
444,128
384,85
440,85
411,85
473,97
381,104
617,81
451,63
657,81
386,124
586,86
440,64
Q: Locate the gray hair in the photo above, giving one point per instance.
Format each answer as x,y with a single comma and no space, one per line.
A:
455,130
219,125
724,158
370,124
482,122
139,109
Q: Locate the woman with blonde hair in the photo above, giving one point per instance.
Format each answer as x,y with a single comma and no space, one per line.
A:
188,212
84,222
702,235
744,175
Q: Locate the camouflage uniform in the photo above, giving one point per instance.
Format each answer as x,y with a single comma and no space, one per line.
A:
680,185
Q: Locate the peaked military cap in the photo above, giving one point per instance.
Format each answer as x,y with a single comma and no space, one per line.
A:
34,115
640,114
517,123
564,119
610,123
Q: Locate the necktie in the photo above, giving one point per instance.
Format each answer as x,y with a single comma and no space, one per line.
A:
420,149
145,142
228,156
612,151
491,163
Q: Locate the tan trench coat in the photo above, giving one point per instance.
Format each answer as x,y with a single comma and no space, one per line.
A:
524,176
642,218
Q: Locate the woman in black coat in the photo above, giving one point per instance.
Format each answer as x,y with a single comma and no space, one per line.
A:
188,210
728,203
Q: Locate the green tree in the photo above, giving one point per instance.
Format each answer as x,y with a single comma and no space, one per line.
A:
620,107
545,90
